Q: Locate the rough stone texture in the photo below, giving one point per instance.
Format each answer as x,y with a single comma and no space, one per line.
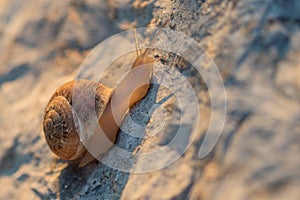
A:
256,46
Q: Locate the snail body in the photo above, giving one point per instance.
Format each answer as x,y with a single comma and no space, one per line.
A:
62,120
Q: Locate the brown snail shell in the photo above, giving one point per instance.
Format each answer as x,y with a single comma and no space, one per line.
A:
61,124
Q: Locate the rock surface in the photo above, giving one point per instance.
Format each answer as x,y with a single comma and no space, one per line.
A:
256,46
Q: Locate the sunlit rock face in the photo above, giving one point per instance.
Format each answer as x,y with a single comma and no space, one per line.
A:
256,47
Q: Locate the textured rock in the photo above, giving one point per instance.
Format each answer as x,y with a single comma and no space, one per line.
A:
256,46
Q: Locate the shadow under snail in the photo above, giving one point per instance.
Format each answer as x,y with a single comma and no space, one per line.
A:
61,126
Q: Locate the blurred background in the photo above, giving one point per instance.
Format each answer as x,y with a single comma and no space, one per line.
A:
256,46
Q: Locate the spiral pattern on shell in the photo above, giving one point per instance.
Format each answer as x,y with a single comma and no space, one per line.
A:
61,120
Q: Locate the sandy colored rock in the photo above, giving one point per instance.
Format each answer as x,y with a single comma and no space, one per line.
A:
256,46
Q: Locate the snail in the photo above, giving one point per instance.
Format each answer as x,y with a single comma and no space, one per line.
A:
62,126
